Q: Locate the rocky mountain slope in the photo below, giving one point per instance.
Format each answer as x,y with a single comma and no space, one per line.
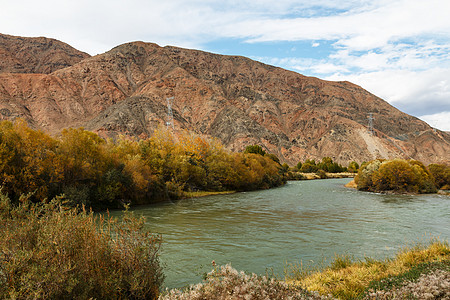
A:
238,100
36,55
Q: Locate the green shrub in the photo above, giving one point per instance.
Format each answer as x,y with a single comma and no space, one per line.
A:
48,251
308,167
353,167
327,165
255,149
322,174
273,157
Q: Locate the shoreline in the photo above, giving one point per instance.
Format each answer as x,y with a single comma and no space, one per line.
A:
353,185
200,194
314,176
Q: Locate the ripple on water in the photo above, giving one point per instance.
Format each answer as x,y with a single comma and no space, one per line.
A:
304,220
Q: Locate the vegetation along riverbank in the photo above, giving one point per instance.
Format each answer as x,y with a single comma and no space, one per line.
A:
419,272
49,251
326,168
402,176
59,249
98,173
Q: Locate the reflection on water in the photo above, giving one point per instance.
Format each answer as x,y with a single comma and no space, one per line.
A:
304,220
403,199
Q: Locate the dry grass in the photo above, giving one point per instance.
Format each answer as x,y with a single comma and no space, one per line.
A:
352,184
311,176
48,251
226,283
348,280
199,194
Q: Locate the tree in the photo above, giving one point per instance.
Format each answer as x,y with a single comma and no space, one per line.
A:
284,168
353,167
395,175
441,174
308,167
365,172
273,157
256,149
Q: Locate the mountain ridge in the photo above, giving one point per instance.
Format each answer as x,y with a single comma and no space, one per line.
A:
36,54
232,98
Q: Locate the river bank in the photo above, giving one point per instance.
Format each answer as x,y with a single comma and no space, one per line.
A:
303,176
352,185
370,278
301,221
317,175
421,272
199,194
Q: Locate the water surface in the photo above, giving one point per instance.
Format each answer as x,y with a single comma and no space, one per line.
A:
301,221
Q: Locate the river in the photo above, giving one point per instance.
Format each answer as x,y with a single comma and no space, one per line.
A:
303,221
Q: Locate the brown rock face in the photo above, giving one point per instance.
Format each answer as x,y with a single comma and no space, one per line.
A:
36,55
235,99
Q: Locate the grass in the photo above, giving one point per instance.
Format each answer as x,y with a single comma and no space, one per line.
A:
411,275
348,279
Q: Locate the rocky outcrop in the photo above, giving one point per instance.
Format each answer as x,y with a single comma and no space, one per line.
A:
36,55
238,100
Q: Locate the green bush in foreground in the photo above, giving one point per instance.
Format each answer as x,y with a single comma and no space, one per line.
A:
48,251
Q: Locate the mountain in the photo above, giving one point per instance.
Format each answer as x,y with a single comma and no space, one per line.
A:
36,55
232,98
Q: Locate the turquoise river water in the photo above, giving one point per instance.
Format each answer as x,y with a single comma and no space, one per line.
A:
303,221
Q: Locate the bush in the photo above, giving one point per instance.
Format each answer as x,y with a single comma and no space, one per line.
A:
273,157
255,149
308,167
226,282
395,175
48,251
327,165
365,172
353,167
441,174
322,174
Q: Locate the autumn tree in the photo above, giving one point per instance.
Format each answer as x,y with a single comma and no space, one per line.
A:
441,174
353,167
395,175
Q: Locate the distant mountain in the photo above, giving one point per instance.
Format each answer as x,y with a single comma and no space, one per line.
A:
235,99
36,55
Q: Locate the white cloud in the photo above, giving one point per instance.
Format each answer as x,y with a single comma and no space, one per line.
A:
397,49
417,93
440,120
356,29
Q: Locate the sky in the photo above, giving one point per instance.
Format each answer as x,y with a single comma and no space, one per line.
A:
398,50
